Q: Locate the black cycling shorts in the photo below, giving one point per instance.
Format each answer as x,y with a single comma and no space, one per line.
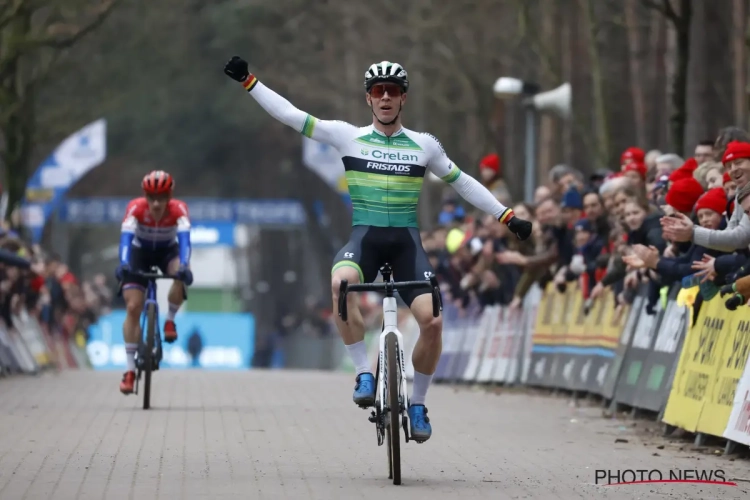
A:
143,260
370,247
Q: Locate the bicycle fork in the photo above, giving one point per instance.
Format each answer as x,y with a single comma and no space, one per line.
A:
390,319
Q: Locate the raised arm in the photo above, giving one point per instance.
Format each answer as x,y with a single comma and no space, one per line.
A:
470,189
329,132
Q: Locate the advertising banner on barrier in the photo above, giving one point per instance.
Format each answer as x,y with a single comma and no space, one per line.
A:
731,356
593,327
469,332
637,355
7,359
738,426
228,341
543,340
531,312
654,385
478,343
601,332
611,371
562,356
452,337
31,333
578,345
697,366
511,342
494,325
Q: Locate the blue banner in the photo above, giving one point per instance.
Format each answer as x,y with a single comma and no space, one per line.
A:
71,160
212,235
222,341
275,212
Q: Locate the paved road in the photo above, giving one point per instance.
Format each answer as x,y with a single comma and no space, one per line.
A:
296,435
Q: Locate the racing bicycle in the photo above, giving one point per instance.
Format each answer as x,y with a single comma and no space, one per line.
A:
391,396
149,353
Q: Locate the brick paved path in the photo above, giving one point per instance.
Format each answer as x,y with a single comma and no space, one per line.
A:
296,435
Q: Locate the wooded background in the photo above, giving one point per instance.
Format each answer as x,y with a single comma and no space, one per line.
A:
639,69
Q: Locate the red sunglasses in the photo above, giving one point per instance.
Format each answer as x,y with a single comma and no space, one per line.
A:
379,90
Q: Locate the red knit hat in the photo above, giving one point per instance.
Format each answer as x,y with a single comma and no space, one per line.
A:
714,199
636,166
683,194
633,154
735,150
690,164
492,162
680,174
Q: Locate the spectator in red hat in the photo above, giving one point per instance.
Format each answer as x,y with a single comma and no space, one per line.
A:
490,174
727,135
683,194
632,155
636,172
709,207
737,233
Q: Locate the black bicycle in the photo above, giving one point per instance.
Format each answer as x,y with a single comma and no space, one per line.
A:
391,396
149,353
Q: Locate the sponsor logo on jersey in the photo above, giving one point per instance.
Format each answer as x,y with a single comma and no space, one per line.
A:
364,152
394,156
389,167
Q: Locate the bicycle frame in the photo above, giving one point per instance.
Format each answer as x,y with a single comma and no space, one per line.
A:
390,325
151,299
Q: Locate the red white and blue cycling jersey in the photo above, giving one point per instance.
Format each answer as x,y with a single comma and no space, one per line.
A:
140,230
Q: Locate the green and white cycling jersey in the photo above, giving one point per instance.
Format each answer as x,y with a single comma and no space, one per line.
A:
384,173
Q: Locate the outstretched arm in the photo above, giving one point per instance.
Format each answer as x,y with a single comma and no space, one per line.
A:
469,188
326,131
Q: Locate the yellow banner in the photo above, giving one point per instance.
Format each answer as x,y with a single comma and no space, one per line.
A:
734,342
615,318
564,313
543,334
595,321
577,334
699,362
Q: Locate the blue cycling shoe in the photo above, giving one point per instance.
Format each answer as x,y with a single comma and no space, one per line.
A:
420,429
364,391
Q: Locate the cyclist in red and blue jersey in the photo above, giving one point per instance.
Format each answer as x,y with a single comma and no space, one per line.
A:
155,232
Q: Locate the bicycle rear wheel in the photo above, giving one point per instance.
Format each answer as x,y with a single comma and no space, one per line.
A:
394,407
148,363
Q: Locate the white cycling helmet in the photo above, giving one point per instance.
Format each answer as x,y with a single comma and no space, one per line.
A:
386,71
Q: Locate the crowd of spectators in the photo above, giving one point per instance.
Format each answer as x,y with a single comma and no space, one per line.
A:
40,284
656,220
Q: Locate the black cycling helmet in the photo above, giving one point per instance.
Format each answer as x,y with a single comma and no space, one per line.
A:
385,71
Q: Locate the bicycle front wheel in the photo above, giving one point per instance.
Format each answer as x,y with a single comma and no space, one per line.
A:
148,362
394,406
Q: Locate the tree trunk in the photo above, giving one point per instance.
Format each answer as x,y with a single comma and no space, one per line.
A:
679,84
601,124
739,50
632,26
17,117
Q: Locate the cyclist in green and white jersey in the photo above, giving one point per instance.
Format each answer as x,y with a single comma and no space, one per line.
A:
385,165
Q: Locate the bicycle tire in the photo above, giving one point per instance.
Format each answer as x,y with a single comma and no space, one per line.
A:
148,364
394,406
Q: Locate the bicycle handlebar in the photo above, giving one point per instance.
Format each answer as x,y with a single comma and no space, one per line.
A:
152,276
388,287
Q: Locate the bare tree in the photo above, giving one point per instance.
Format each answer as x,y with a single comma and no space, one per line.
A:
32,37
680,18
